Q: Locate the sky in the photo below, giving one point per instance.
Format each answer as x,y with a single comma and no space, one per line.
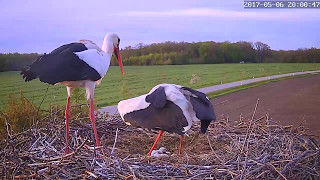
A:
43,25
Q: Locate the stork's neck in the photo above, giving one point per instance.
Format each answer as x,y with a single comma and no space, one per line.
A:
107,45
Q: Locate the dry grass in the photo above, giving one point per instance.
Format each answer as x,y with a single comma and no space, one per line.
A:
240,149
19,114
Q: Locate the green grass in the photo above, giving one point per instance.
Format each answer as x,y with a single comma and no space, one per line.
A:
140,79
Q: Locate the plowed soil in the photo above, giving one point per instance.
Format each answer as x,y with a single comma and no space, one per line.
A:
289,102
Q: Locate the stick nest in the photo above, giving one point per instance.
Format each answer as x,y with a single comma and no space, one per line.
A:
256,148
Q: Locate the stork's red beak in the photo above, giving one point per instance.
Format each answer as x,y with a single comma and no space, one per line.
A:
117,53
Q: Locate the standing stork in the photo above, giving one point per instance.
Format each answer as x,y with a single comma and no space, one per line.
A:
80,64
170,108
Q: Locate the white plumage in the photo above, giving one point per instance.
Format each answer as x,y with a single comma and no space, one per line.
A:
81,64
99,60
168,107
173,93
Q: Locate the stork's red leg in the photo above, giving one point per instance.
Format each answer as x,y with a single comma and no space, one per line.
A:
180,147
67,125
93,122
155,142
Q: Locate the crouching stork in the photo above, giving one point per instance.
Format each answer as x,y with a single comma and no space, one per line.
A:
81,64
168,107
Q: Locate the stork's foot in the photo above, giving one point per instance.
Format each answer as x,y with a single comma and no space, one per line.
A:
98,150
67,151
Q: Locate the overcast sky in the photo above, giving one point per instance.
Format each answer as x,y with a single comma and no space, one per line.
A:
42,25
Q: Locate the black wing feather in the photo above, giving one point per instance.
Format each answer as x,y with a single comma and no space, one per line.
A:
61,65
201,105
201,96
67,48
169,118
157,98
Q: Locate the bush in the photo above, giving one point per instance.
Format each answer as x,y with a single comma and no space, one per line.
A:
20,113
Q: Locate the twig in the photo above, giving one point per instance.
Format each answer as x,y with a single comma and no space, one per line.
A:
295,160
45,94
132,171
213,150
64,156
8,127
115,141
249,128
25,176
246,140
91,174
40,151
274,168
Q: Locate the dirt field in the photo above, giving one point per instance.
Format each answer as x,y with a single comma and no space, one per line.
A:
289,102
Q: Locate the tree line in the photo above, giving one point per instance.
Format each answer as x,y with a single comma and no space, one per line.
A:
211,52
174,53
16,61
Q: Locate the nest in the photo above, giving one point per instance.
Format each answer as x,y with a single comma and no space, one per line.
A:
255,148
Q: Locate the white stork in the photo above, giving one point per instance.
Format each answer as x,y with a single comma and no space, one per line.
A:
79,64
168,107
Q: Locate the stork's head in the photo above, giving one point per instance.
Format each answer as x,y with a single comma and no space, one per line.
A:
111,45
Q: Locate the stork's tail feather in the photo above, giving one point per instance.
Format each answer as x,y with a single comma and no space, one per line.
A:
28,74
